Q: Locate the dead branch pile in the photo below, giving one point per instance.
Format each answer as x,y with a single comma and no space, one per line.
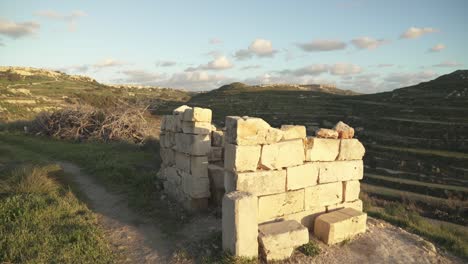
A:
86,123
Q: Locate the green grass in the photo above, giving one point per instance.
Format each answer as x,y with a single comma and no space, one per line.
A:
43,222
310,249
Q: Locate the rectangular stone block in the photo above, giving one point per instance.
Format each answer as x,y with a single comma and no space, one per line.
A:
174,191
356,205
351,149
180,110
239,223
198,145
167,156
216,175
195,187
167,140
338,171
217,138
173,176
274,237
273,206
306,218
246,131
340,225
241,158
169,123
293,132
282,154
322,149
259,182
197,114
302,176
190,127
351,190
323,195
216,154
195,165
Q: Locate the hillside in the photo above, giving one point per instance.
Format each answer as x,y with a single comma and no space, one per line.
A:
26,91
238,87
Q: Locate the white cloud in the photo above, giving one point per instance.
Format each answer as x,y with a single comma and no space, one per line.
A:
385,65
107,63
448,64
17,30
368,42
249,67
216,41
415,32
166,63
140,77
437,48
344,69
69,18
198,80
218,63
259,47
322,45
75,69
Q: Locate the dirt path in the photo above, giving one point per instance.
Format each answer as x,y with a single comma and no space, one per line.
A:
135,237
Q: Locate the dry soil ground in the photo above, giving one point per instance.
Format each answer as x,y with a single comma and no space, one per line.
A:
140,240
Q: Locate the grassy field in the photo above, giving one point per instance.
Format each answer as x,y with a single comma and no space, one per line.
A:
41,219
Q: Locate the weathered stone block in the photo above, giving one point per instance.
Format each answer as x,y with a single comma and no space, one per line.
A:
323,195
193,144
169,123
307,217
326,133
340,171
351,149
259,182
195,187
293,132
344,131
302,176
357,205
322,149
282,154
250,131
196,204
180,110
351,190
239,223
273,206
241,158
217,138
195,165
197,114
167,139
274,237
167,156
191,127
216,175
216,154
173,176
340,225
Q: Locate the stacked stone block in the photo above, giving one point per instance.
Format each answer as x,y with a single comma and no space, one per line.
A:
292,177
185,142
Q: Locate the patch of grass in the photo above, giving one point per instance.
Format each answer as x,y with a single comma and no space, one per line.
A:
310,249
41,222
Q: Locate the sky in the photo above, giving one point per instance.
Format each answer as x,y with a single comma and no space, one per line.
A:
365,46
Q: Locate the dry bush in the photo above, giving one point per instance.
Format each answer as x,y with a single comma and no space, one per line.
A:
88,123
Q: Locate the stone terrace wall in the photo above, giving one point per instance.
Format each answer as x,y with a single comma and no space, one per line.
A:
280,174
186,150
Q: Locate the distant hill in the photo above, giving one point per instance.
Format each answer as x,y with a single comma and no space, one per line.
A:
241,87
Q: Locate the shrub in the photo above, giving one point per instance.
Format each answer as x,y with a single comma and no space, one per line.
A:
310,249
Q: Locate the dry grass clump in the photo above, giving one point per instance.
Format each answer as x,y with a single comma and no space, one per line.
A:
88,123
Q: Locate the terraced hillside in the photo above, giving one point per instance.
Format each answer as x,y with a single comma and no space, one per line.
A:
416,137
25,91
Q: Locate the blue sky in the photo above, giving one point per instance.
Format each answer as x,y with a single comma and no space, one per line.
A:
366,46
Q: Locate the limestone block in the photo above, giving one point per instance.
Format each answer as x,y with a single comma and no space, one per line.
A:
216,154
282,154
217,138
195,187
351,149
190,127
326,133
277,255
259,182
307,217
273,206
170,123
174,191
195,165
216,175
173,176
167,156
340,225
351,190
323,195
241,158
197,114
357,205
180,110
344,131
239,223
322,149
293,132
302,176
167,139
274,237
249,131
340,171
193,144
